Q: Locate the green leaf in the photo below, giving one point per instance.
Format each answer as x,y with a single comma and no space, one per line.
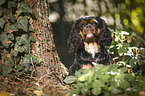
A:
78,74
2,22
31,29
84,91
11,4
99,66
96,91
10,28
104,78
6,11
14,53
32,38
115,91
126,45
123,70
19,67
70,79
24,7
130,77
133,62
26,61
124,84
76,91
122,50
22,44
6,69
6,39
11,17
121,82
20,73
79,85
119,77
97,85
83,77
23,23
111,67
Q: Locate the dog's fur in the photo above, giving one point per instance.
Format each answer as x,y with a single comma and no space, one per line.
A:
88,38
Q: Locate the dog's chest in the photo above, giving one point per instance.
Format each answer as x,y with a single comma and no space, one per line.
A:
92,48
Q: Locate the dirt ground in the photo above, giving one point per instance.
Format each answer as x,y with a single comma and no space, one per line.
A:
26,86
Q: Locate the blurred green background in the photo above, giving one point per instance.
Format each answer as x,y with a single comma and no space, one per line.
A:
128,15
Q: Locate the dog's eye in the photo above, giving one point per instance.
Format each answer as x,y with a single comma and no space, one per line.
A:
84,22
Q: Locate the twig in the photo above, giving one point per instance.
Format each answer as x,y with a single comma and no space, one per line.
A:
33,67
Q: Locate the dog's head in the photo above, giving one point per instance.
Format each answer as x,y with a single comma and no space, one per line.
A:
89,29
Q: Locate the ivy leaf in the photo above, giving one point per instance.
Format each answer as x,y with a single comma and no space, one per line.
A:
22,44
6,69
23,23
31,29
24,7
32,38
11,4
6,11
10,28
70,79
11,17
20,73
2,22
6,39
26,61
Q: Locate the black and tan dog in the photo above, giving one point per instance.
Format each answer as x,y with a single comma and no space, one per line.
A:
88,38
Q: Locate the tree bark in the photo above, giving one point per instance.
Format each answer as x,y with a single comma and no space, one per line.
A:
44,47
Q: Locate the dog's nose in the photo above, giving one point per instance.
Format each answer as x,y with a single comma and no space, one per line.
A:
89,26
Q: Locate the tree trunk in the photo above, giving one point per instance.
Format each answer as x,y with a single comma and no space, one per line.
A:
44,47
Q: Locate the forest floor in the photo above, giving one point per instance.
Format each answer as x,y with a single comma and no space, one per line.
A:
26,86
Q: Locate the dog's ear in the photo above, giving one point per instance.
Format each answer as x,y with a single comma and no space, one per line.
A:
105,37
74,40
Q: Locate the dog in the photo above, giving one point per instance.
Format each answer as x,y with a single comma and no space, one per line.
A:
88,37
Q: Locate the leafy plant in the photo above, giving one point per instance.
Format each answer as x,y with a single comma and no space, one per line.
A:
124,53
16,38
119,78
104,80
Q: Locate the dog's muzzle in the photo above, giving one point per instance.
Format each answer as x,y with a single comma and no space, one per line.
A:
90,33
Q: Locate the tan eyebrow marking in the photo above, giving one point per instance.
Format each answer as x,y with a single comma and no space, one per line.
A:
84,22
93,21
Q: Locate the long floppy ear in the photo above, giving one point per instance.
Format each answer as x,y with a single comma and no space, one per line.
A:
105,37
74,40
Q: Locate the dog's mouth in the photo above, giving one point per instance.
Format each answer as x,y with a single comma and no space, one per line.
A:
90,38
